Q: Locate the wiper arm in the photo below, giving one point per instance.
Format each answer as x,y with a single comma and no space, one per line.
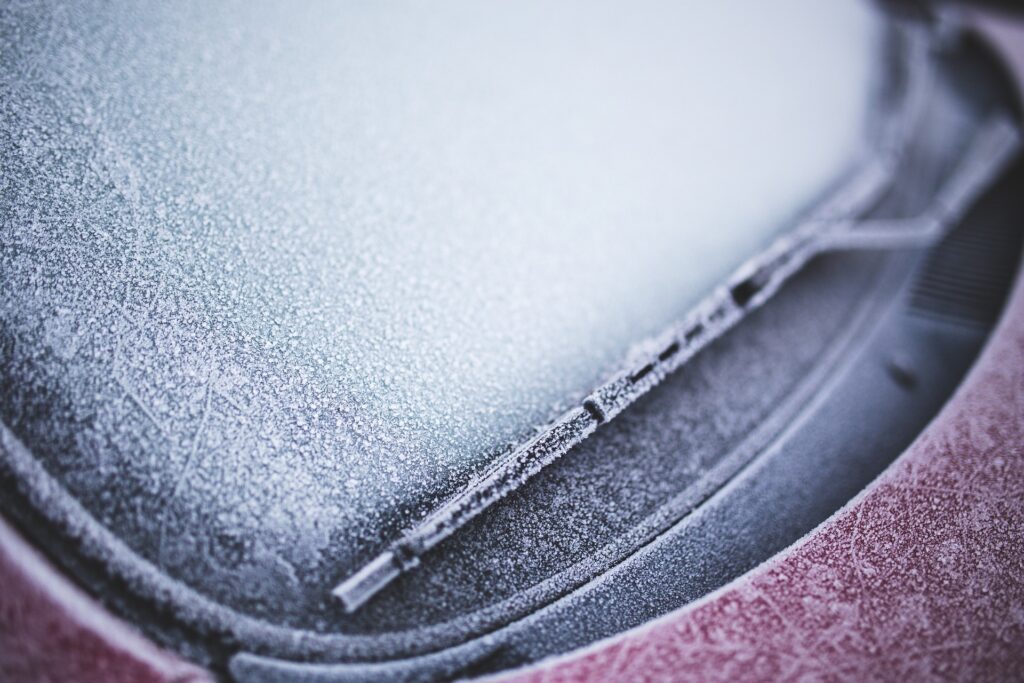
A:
833,226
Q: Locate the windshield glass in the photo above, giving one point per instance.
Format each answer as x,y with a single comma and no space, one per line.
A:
321,265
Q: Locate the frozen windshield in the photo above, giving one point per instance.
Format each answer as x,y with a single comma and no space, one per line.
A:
333,260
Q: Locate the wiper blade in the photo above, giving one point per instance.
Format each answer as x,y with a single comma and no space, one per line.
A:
835,225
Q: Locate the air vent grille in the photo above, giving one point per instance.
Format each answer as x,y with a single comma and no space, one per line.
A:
965,278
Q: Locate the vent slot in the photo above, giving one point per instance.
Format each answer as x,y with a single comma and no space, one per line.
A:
965,278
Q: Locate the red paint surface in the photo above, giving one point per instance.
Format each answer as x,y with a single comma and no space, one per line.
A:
919,578
51,632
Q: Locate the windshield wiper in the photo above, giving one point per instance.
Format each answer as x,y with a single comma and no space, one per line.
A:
835,225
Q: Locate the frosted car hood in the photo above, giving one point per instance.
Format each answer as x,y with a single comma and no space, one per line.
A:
292,277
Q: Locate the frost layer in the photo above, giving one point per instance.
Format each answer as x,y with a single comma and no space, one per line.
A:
289,277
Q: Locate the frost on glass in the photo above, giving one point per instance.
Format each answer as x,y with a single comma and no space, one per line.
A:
297,273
